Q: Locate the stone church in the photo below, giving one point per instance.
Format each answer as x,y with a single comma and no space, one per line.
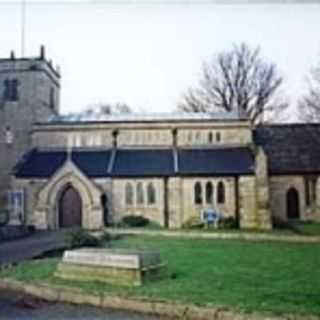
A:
88,170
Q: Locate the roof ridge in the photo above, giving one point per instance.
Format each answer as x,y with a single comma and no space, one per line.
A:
293,124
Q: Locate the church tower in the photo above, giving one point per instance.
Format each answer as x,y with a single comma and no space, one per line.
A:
29,93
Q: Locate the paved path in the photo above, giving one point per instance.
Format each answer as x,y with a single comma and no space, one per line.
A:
17,307
30,247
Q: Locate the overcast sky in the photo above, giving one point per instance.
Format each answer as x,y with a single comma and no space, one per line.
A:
148,54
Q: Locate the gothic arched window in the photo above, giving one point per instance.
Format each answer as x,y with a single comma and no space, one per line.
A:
198,193
210,137
221,193
140,195
209,193
151,192
8,135
10,90
129,194
218,136
52,102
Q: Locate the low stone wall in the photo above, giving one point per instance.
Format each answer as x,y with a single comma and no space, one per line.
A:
250,236
142,305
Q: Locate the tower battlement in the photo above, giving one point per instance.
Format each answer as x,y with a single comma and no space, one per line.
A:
35,63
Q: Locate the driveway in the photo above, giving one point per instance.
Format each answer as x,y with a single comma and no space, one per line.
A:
30,247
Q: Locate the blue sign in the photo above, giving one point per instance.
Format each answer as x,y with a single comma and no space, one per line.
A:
210,216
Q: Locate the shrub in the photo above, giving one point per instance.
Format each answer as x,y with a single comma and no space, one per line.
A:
279,223
228,223
193,222
106,237
134,221
154,225
81,238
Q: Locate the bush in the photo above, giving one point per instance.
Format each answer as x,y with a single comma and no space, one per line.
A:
154,225
134,221
228,223
279,223
81,238
193,222
106,237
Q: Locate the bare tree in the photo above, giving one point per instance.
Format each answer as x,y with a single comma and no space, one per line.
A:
106,108
237,80
309,105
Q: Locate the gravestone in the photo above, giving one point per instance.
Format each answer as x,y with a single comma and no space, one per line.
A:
114,266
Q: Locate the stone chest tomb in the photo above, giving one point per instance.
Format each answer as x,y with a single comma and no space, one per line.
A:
114,266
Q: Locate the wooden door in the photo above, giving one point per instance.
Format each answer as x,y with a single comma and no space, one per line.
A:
70,208
293,207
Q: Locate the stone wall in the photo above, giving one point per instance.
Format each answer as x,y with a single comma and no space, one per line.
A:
262,190
31,190
146,137
279,186
154,212
142,135
190,209
36,78
73,138
248,202
214,135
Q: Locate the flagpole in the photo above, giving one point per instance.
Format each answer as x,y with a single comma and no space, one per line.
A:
23,26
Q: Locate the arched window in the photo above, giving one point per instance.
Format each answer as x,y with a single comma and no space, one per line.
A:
10,92
52,102
198,193
129,194
221,193
140,195
210,137
104,203
209,193
189,137
151,192
8,135
218,136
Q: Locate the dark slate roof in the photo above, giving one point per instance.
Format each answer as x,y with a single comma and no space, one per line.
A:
143,162
39,164
291,148
224,161
93,163
139,162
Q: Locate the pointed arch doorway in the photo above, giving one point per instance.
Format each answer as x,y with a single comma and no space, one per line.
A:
293,206
70,208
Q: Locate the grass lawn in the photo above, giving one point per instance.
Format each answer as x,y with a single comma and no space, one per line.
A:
276,277
307,228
